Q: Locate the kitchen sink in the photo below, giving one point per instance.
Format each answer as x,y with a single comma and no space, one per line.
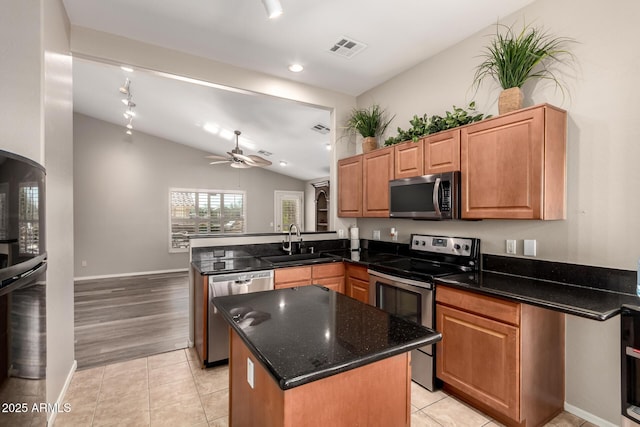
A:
299,259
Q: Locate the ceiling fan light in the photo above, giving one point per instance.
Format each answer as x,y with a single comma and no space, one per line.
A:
273,8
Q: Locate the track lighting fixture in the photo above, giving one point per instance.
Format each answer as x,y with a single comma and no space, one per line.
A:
273,7
125,87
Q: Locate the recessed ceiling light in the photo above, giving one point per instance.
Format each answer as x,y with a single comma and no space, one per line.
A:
129,132
283,163
328,146
295,68
127,69
273,7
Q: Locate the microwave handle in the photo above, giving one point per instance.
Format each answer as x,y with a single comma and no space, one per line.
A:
436,198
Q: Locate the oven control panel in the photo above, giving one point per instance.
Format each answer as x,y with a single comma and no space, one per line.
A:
443,245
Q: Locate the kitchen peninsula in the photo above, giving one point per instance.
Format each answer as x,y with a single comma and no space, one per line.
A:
311,356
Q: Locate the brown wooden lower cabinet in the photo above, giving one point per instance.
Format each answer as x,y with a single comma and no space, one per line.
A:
505,358
377,394
330,275
357,285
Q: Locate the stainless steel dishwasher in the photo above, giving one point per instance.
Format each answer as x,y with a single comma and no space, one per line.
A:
230,284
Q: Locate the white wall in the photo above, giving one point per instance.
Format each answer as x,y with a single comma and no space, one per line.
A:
122,196
58,160
21,79
603,151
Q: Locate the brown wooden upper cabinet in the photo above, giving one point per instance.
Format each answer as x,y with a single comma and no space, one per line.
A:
514,166
363,184
435,153
377,171
350,187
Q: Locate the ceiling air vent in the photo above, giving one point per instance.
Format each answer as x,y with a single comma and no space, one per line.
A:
347,48
265,153
320,128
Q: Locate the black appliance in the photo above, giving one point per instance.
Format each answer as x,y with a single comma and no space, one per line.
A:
22,283
630,364
405,287
432,197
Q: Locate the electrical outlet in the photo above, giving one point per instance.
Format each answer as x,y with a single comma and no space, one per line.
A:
511,247
376,234
530,248
250,372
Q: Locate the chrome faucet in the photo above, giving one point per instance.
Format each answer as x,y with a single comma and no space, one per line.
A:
288,247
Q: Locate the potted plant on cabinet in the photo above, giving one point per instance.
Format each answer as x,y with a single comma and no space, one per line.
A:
513,58
369,123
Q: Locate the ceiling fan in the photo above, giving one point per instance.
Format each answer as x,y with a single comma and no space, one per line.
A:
239,160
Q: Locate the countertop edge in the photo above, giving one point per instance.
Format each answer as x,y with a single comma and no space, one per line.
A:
573,310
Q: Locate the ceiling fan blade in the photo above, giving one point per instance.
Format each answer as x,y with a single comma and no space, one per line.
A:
215,157
219,162
259,161
240,165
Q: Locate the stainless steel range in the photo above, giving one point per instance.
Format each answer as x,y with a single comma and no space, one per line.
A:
405,287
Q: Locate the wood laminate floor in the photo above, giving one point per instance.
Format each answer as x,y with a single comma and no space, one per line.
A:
127,318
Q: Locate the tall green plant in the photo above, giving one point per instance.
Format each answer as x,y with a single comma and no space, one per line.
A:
513,58
369,122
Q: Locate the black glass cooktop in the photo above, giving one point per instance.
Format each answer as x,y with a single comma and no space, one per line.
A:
415,268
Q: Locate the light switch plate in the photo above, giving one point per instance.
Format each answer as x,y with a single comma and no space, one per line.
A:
530,248
250,372
511,247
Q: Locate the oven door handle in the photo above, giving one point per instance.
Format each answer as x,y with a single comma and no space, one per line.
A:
393,279
436,197
630,351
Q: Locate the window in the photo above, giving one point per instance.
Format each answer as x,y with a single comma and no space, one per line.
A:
289,209
204,212
28,219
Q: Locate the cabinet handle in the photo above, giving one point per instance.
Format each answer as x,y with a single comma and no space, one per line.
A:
632,352
436,198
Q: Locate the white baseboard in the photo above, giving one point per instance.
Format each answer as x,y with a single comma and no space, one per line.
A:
139,273
63,393
587,416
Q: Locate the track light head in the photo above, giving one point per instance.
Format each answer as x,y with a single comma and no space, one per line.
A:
125,87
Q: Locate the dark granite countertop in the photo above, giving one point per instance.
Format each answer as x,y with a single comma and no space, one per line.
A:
307,333
591,292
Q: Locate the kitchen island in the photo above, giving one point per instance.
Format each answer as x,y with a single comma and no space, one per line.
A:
311,356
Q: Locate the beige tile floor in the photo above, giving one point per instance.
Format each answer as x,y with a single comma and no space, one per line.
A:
170,389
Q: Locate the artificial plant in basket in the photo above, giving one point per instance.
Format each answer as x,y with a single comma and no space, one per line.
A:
512,58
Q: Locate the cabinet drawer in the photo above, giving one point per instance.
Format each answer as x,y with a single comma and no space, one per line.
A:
333,283
493,308
292,274
328,270
358,272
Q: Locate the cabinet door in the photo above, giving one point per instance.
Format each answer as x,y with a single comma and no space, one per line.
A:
408,160
350,187
377,171
358,289
513,166
480,357
442,152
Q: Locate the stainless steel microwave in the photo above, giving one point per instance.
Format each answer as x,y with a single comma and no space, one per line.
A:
434,197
